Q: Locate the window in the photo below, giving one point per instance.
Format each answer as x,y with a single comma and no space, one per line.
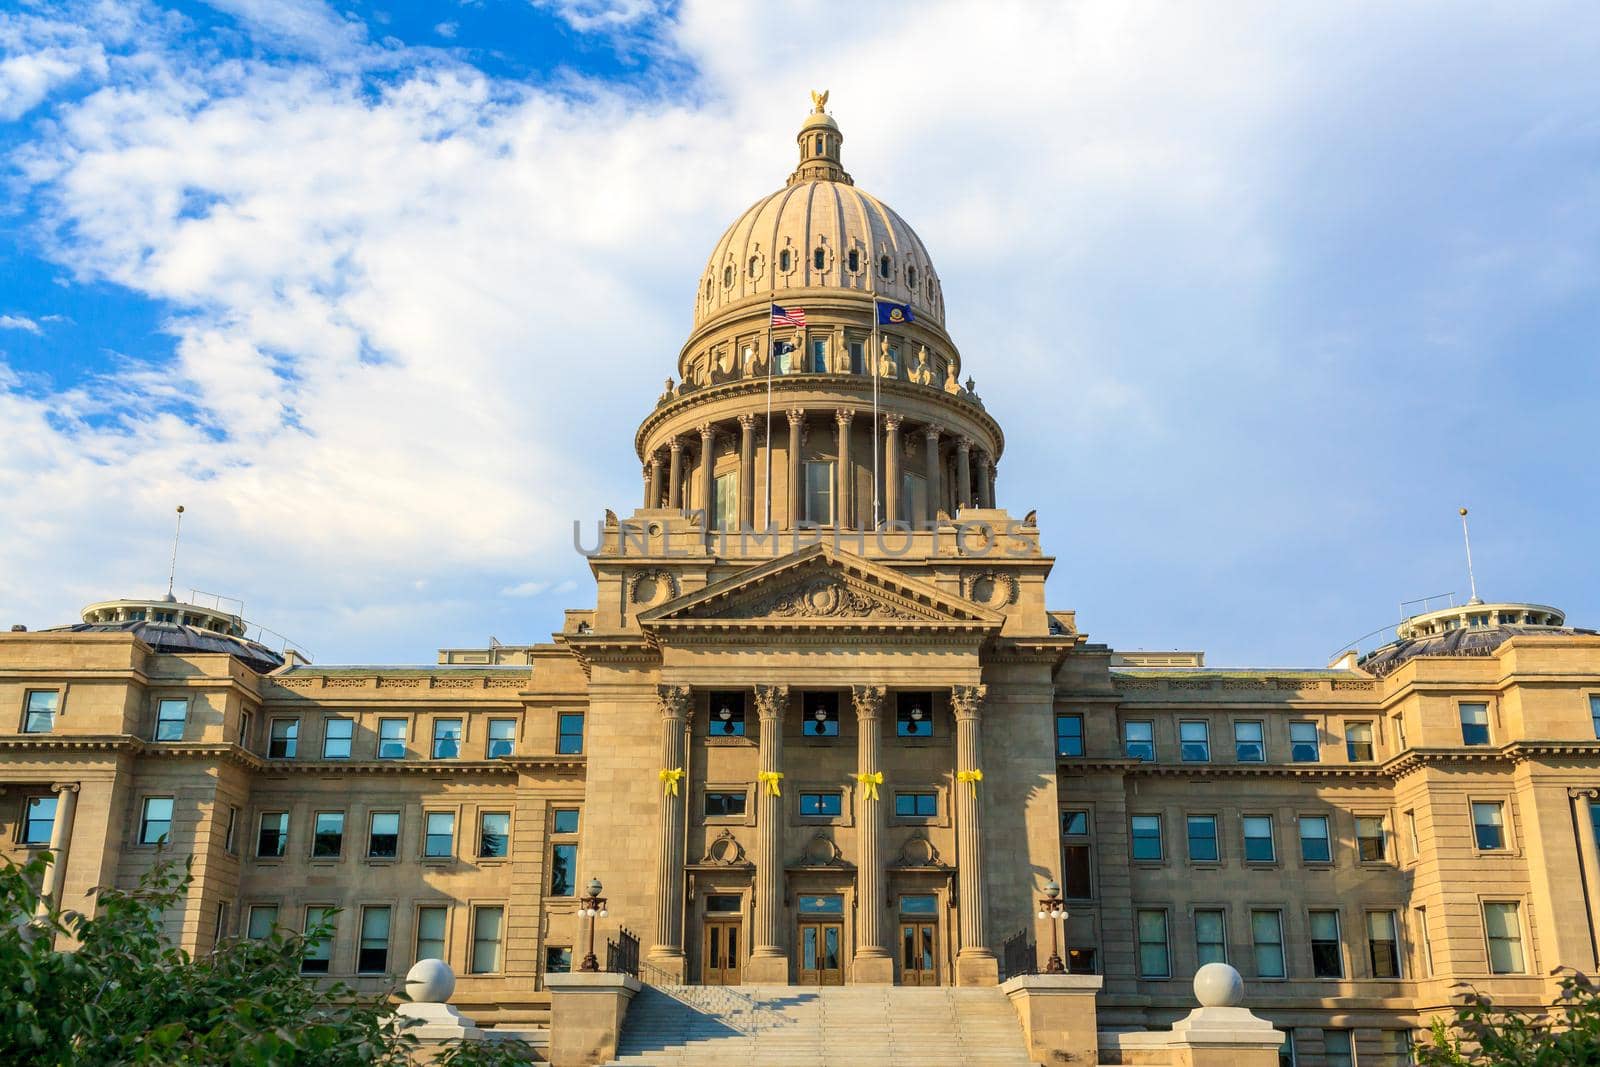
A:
725,501
853,260
1371,839
884,267
1358,742
391,739
439,840
858,357
1286,1050
819,493
228,832
1594,714
1202,838
1155,960
1138,741
1383,944
820,805
272,837
1394,1048
1315,846
245,722
1411,830
319,950
39,711
784,260
494,834
284,740
819,258
1425,942
502,738
373,955
1258,843
1210,937
1266,932
1502,925
722,804
1194,741
1488,825
156,822
1080,961
727,714
916,805
1146,837
569,733
821,711
1337,1051
446,738
486,925
171,717
430,932
566,820
911,277
754,266
327,840
1474,724
913,715
263,917
727,276
819,355
913,502
383,835
1076,868
1069,735
38,820
336,735
1327,958
557,960
1304,745
1248,743
563,870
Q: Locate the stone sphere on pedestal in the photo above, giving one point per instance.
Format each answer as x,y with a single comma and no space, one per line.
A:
432,982
1217,985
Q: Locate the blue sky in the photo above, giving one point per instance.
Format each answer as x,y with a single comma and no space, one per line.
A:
1261,294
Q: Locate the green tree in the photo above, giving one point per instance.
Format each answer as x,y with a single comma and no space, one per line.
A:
126,995
1482,1035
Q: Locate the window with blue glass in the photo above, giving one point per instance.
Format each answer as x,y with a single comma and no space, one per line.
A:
391,739
1146,831
727,714
446,738
502,738
914,714
921,805
821,714
919,904
566,821
1474,724
1139,740
1069,735
1194,741
821,805
822,904
569,733
563,870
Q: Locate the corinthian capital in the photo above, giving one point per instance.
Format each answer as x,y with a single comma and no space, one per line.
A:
844,417
747,422
967,700
771,701
891,423
673,700
868,700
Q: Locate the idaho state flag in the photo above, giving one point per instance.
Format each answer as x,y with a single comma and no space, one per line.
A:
893,314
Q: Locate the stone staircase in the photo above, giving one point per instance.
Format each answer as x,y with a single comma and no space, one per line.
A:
803,1026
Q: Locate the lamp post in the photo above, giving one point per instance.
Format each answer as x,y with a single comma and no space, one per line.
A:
1050,907
593,907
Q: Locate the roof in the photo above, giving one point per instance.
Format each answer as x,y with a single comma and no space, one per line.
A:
176,637
1462,641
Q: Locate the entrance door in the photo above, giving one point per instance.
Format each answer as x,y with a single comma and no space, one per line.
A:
719,952
918,955
820,953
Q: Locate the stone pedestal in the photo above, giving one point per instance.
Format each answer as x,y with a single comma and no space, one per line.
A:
586,1013
1219,1033
1058,1017
426,1017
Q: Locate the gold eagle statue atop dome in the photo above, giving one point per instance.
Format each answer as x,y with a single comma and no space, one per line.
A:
819,100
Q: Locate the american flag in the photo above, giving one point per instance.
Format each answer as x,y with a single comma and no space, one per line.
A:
789,317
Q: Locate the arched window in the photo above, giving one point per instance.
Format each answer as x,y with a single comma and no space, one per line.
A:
819,144
727,276
819,258
911,277
883,267
854,259
708,290
755,266
783,261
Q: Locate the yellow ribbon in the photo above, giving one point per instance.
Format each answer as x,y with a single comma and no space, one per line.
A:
669,780
770,779
972,778
870,781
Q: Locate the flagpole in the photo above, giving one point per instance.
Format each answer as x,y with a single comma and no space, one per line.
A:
872,369
767,510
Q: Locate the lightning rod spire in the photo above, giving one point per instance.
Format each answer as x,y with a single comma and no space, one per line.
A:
1467,539
172,571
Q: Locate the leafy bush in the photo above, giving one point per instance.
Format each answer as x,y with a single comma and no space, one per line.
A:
1482,1035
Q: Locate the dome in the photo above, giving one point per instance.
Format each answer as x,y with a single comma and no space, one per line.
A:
1471,640
176,637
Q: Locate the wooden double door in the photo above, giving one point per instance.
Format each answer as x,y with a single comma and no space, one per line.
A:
721,953
821,952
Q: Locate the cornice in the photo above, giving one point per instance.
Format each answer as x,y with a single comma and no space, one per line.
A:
1392,769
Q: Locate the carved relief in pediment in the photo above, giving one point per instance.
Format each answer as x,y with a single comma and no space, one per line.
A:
825,596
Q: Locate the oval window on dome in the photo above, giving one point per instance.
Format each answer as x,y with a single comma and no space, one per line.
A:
755,266
783,261
727,276
911,277
883,267
819,258
854,260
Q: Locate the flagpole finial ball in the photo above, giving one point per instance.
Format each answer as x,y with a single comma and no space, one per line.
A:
430,982
1463,511
1217,985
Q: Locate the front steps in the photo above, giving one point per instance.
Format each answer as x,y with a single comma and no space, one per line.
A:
804,1026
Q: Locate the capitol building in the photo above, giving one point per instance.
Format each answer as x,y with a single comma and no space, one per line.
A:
818,726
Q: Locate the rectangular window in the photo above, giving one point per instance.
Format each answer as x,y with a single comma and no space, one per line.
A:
39,714
430,932
319,950
722,804
819,355
727,714
327,841
913,715
569,733
820,805
1372,841
1327,957
383,835
1249,745
391,739
502,738
1139,741
272,838
231,826
913,502
1315,846
284,740
1194,741
858,357
1337,1049
1077,881
565,820
1266,933
820,712
725,501
1069,735
1080,960
1394,1048
819,493
494,834
156,823
1358,742
1146,837
916,805
1202,838
563,870
38,820
1489,825
1411,830
1304,744
1502,925
1474,724
373,955
1594,714
1155,960
1383,944
1286,1057
1258,843
263,917
446,738
557,960
245,722
1210,937
439,838
1425,942
336,736
486,926
171,717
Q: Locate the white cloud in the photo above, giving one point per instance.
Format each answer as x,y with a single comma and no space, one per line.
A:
19,322
525,589
591,16
447,30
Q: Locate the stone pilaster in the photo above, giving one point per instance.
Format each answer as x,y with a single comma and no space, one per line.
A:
963,472
797,419
975,963
708,471
675,475
891,468
873,962
667,952
769,963
930,445
747,471
843,497
60,839
652,487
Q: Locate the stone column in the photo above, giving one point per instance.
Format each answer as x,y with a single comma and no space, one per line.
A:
708,459
975,963
1590,851
769,963
930,444
60,839
985,484
873,962
992,468
652,494
747,471
963,472
891,468
667,952
797,420
842,502
675,477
